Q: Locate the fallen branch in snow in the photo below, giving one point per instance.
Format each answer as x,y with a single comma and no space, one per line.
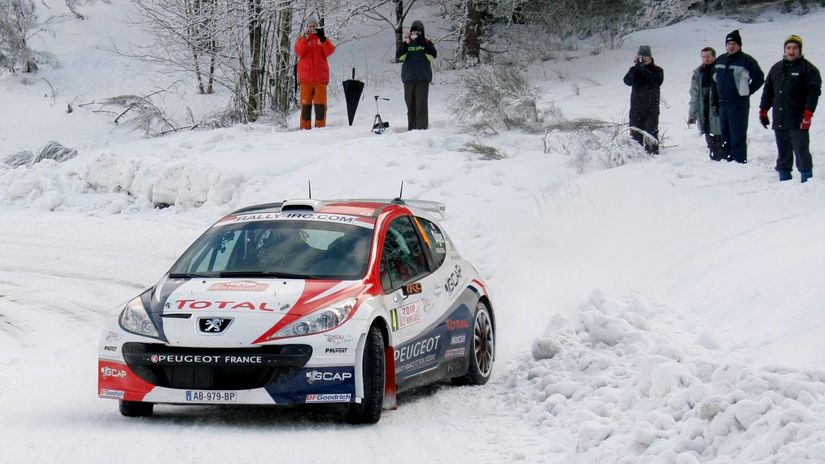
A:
146,115
52,150
579,124
487,152
54,94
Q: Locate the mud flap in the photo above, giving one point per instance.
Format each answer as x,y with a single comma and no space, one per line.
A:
390,388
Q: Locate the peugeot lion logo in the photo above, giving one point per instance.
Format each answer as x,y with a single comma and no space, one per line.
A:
213,325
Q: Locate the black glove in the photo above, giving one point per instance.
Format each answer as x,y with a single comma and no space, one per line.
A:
320,33
691,121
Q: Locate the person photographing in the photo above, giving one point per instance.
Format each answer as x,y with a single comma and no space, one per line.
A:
416,53
645,80
313,48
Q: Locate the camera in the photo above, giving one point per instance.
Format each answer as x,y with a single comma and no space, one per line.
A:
639,59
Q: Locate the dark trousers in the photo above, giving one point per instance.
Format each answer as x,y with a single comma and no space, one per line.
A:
648,122
416,94
733,117
716,148
790,142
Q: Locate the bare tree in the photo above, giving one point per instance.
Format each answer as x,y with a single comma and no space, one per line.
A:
391,12
186,33
18,24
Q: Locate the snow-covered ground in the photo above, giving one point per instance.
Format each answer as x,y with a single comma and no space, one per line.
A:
666,311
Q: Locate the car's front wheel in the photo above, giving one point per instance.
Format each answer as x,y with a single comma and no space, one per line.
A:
136,408
483,349
373,374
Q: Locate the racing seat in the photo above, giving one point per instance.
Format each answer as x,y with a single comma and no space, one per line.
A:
344,256
286,252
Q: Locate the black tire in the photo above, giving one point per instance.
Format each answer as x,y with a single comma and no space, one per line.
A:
136,408
482,349
373,373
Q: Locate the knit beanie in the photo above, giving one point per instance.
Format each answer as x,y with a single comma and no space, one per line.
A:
734,37
644,50
794,39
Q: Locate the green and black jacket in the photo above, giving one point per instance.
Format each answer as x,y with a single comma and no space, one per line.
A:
416,57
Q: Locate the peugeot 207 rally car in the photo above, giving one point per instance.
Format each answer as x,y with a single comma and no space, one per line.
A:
304,301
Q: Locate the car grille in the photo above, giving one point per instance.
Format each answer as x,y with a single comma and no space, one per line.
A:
214,368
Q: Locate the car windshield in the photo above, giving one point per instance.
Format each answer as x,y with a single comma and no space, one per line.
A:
287,249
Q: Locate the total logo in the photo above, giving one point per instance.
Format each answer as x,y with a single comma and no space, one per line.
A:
225,304
326,376
457,324
109,372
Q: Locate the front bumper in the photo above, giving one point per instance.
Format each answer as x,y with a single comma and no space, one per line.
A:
134,370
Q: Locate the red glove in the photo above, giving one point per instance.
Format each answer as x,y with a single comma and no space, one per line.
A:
763,118
806,120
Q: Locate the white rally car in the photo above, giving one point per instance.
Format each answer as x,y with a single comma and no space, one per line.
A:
304,301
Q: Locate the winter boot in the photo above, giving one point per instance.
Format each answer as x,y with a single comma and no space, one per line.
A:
785,175
805,175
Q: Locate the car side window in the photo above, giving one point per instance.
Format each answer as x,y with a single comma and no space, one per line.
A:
402,256
433,239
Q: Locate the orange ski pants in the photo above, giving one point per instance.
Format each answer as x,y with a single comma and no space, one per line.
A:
313,95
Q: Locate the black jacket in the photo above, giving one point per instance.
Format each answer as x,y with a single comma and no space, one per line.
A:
645,81
416,57
792,87
737,76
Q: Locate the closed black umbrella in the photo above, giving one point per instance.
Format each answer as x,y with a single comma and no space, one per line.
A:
352,92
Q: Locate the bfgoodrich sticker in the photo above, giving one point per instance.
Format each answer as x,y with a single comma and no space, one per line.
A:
329,398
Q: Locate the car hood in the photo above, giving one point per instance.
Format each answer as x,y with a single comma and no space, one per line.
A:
247,310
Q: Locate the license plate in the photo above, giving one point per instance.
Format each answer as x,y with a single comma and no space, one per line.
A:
211,396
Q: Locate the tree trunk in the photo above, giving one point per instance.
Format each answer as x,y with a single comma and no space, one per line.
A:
399,23
471,33
282,69
255,43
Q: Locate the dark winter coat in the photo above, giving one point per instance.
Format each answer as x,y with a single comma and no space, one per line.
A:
737,76
792,87
416,57
645,81
703,108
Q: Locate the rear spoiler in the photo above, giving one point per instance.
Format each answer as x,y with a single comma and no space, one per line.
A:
433,207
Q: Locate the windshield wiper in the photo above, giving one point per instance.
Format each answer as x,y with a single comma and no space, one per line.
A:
190,275
276,275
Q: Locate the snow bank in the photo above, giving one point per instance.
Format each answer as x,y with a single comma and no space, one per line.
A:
118,183
625,382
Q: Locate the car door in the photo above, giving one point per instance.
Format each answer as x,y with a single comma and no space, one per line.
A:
410,296
452,315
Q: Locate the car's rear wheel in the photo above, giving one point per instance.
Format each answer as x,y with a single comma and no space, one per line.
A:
483,349
136,408
373,374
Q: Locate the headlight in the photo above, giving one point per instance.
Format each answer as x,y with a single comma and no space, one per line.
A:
318,321
134,319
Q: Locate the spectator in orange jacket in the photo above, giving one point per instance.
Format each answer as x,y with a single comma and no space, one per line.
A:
313,47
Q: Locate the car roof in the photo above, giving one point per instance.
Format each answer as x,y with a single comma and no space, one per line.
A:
354,207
